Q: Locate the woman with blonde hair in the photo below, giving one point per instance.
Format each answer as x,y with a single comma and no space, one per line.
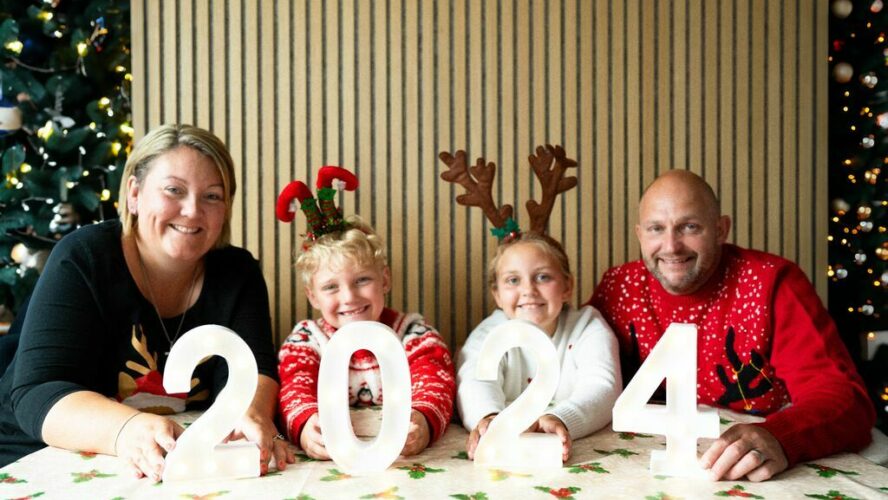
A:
116,296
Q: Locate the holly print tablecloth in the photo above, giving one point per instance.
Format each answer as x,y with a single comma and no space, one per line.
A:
605,465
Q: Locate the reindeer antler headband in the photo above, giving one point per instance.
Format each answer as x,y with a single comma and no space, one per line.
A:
549,164
327,218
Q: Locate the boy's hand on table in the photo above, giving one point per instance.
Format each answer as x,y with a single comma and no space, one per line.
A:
311,441
418,436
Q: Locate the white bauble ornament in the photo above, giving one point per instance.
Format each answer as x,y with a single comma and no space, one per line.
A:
843,72
842,8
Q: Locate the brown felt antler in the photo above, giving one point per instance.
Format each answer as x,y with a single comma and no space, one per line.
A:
478,182
553,180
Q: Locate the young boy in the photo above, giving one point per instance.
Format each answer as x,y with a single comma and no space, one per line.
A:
346,278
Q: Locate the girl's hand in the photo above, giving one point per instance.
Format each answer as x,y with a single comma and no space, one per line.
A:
143,442
475,435
311,440
550,424
258,428
418,436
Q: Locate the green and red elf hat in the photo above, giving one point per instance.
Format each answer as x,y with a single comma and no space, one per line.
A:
323,219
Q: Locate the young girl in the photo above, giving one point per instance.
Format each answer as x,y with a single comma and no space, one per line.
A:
530,279
346,278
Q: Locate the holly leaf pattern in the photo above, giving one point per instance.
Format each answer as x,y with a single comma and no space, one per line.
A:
419,471
826,471
479,495
501,475
566,493
662,496
629,436
8,479
587,467
208,496
831,495
623,452
29,497
335,475
388,494
82,477
461,456
303,496
302,457
737,491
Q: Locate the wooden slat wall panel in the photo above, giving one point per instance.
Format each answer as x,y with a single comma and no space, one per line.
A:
732,90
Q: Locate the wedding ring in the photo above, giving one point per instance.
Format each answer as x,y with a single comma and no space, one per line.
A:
759,455
279,436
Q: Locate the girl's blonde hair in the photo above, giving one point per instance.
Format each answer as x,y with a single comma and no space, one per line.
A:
162,140
358,245
545,243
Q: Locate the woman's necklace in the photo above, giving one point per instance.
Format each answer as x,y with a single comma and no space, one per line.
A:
166,334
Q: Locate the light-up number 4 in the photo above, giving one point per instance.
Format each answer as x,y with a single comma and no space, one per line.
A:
351,454
675,359
197,455
503,445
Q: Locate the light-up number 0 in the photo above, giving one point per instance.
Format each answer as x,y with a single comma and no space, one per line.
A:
197,455
351,454
675,359
504,445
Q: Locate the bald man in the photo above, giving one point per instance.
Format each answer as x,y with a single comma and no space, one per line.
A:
765,345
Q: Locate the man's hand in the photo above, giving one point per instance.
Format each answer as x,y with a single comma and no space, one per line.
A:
744,450
311,440
475,435
418,436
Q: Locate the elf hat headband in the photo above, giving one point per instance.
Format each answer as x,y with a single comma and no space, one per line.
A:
324,219
549,164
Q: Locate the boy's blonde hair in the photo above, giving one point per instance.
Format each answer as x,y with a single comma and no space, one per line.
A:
545,243
357,245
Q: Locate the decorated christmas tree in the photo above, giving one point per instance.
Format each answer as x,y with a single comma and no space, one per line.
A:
65,126
858,180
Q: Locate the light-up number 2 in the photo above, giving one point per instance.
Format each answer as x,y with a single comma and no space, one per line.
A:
196,455
675,359
350,453
504,445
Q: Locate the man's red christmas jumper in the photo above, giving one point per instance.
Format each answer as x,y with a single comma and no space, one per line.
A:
431,372
766,345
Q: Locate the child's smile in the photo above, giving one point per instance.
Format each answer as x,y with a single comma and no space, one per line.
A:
347,292
531,286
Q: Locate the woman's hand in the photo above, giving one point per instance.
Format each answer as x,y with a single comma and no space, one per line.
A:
311,441
418,436
258,428
550,424
475,435
143,442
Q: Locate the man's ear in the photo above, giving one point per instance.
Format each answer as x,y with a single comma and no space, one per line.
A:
724,228
638,231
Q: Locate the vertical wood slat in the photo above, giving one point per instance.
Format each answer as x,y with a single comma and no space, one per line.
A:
732,90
